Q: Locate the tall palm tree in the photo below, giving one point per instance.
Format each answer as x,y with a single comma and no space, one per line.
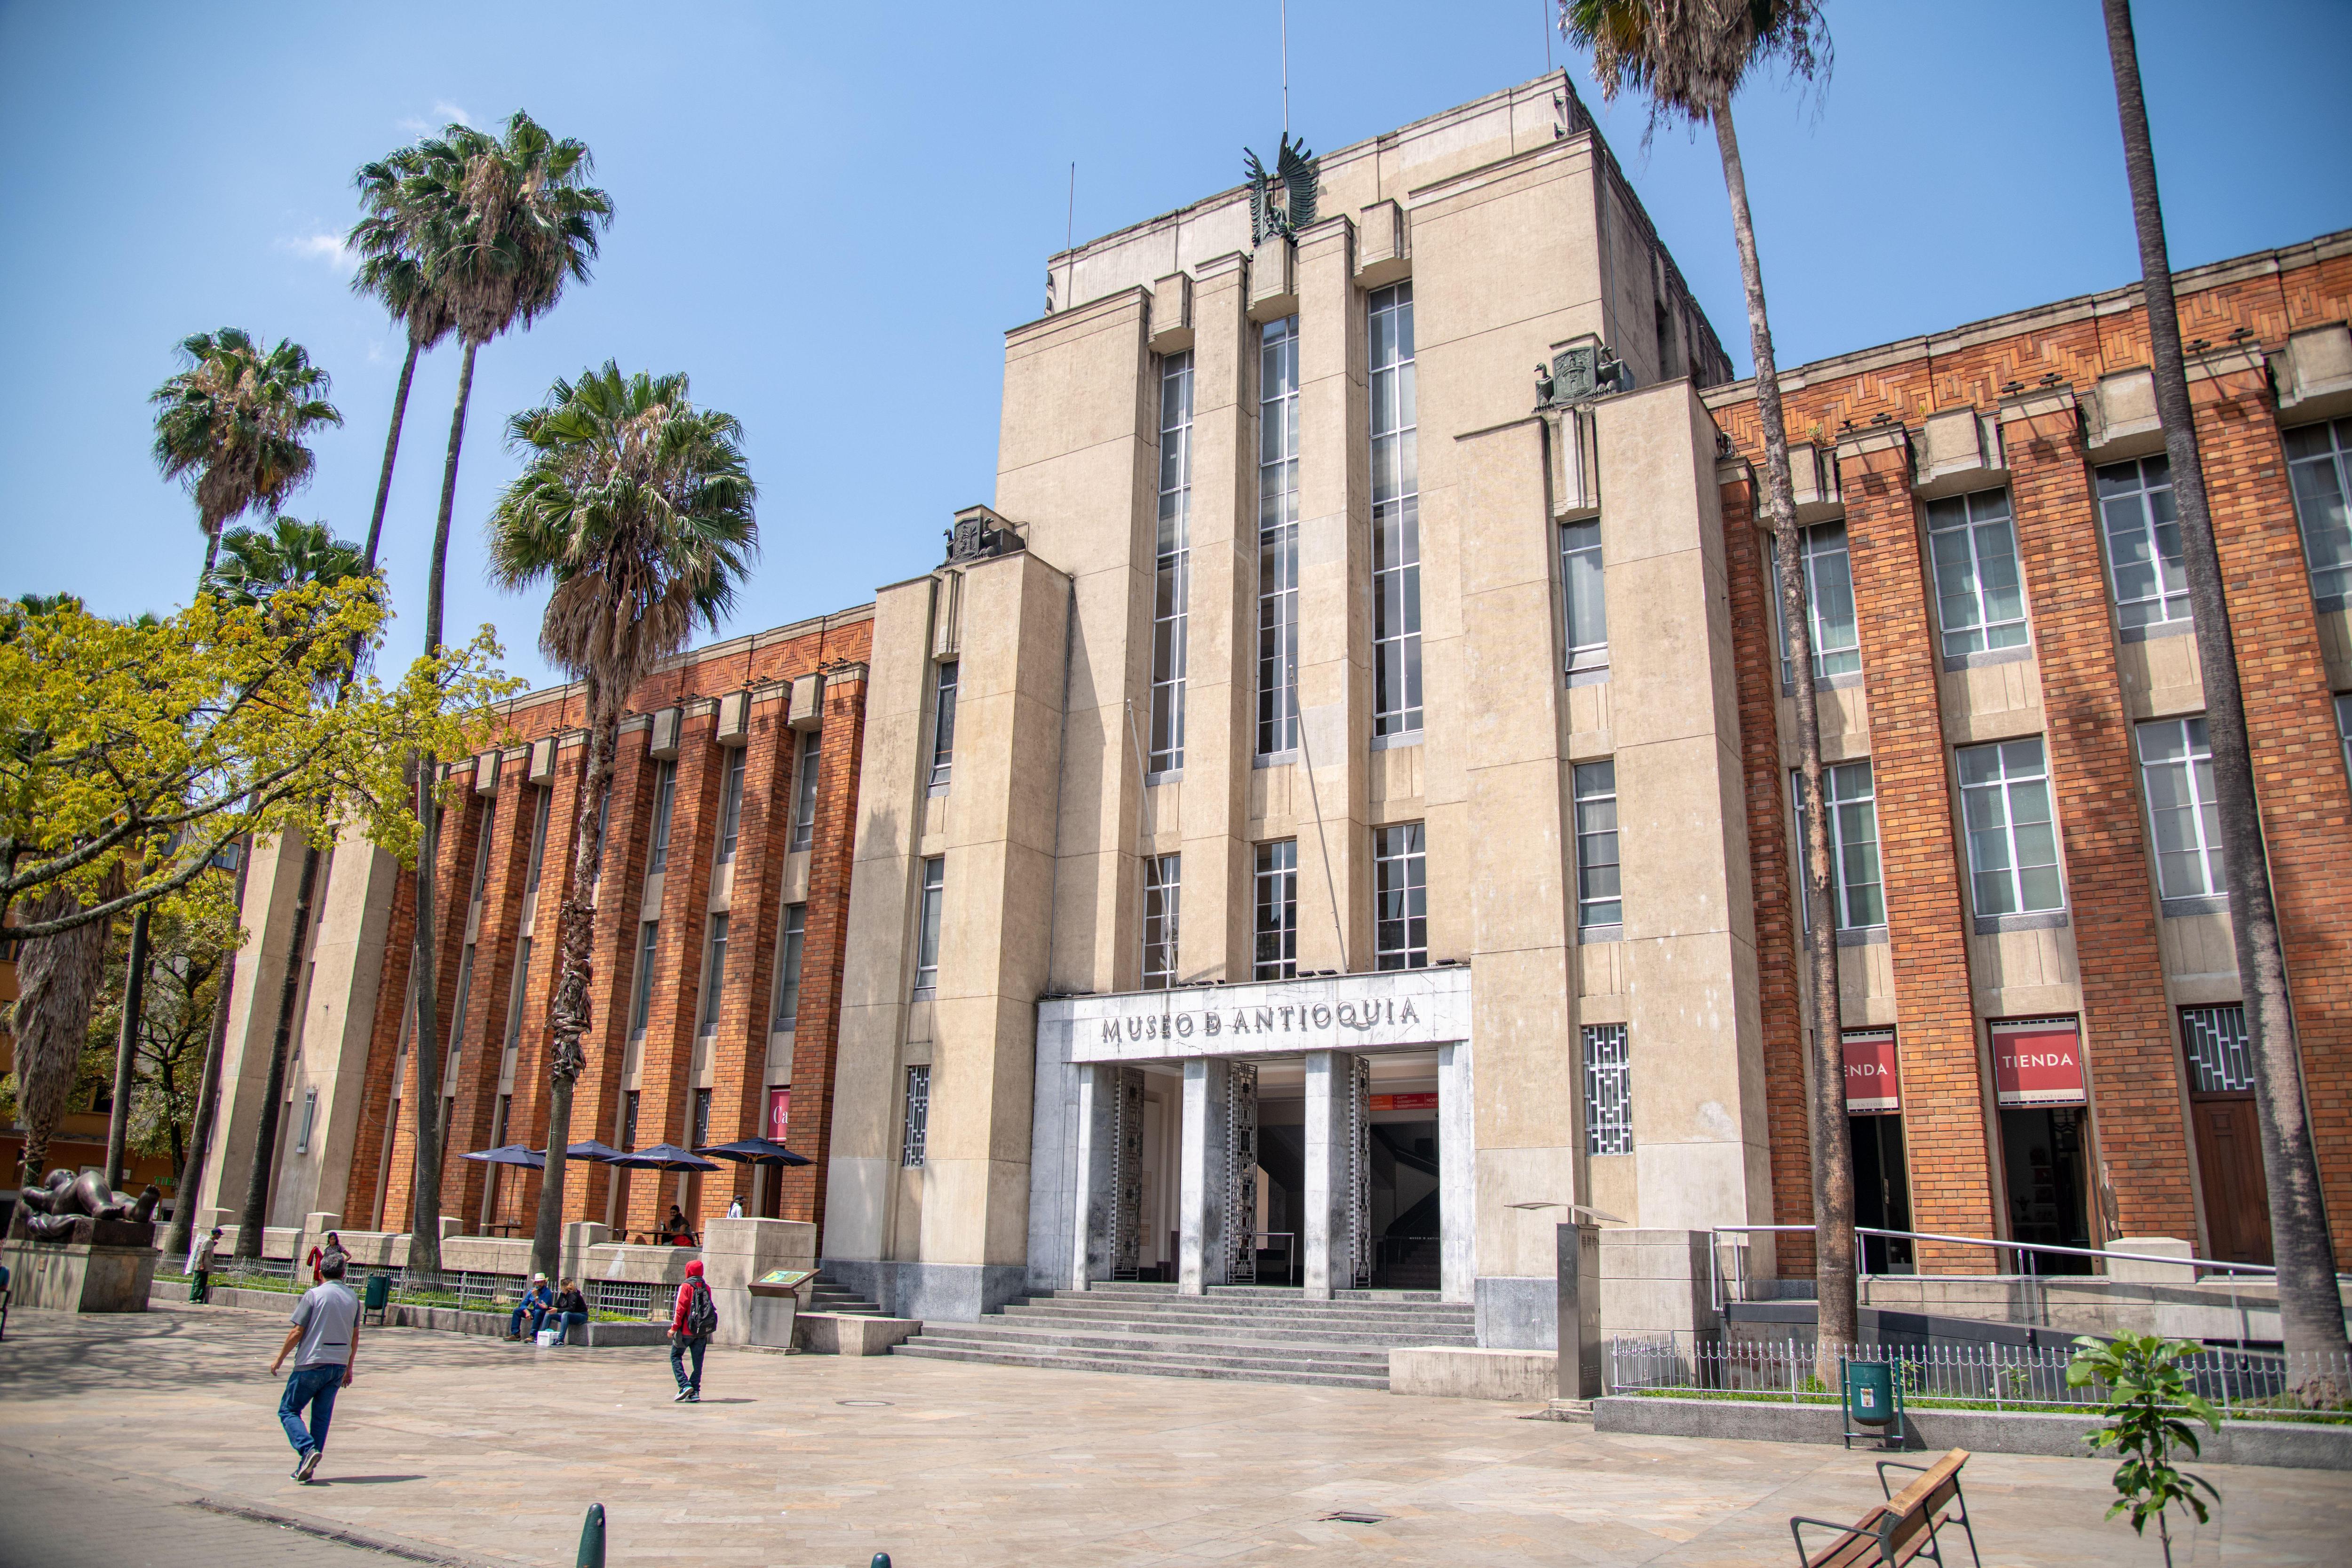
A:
233,426
500,224
636,507
260,566
396,245
2311,1313
1690,57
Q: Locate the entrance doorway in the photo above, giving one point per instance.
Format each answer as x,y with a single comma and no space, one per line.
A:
2229,1139
1882,1191
1406,1223
2042,1160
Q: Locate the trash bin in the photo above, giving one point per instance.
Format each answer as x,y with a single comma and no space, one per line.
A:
1873,1399
377,1295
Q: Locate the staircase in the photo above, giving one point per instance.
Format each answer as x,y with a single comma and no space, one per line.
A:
828,1297
1251,1333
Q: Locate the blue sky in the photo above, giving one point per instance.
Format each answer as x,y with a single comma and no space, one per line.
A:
828,218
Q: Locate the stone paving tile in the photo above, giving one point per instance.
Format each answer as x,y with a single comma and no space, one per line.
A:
491,1453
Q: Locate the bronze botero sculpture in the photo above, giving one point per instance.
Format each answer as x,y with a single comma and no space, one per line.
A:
67,1207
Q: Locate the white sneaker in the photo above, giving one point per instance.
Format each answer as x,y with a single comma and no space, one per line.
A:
684,1396
309,1463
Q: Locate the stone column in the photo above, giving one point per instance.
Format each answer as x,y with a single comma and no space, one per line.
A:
1203,1249
1329,1242
1097,1167
1457,1165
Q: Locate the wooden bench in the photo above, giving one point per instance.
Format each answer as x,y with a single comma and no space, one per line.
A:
1904,1527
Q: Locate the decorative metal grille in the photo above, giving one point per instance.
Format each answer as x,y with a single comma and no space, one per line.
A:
1608,1091
1127,1171
1241,1180
2220,1056
919,1113
1360,1171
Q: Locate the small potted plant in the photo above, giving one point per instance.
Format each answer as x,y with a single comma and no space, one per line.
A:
2148,1396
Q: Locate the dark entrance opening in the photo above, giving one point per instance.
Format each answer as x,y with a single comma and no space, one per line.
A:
1407,1254
1882,1191
1282,1161
2044,1159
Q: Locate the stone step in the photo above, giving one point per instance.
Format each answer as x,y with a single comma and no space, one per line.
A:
1133,1364
1275,1330
1268,1292
1266,1352
1250,1302
1334,1321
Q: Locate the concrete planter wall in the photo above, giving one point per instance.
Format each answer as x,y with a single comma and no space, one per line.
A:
444,1320
2274,1443
76,1277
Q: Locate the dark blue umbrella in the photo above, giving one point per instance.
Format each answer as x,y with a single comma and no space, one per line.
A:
510,1154
756,1151
662,1157
591,1150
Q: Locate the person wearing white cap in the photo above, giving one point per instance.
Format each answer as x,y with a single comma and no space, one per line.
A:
535,1304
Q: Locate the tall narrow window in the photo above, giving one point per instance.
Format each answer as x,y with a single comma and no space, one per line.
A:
1608,1091
665,798
545,803
2176,766
1396,517
1401,897
714,973
1829,605
2344,729
641,991
482,850
465,991
1278,538
2143,536
310,1120
2319,465
1980,598
2013,842
516,992
927,926
629,1122
1853,843
804,791
1587,610
1163,892
730,804
2220,1056
943,705
1172,574
701,1118
1277,912
1599,906
787,965
919,1113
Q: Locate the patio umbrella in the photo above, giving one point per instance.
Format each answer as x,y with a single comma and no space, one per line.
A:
510,1154
661,1157
756,1151
591,1150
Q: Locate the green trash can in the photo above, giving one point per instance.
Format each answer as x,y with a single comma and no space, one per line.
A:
377,1295
1873,1400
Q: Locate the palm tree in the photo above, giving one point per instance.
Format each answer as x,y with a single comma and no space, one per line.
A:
260,566
637,507
395,243
1691,57
2311,1313
233,426
500,224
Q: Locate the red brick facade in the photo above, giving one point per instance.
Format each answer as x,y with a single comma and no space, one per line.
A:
732,1057
2038,376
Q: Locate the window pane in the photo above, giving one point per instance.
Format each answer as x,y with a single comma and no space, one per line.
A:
1608,1091
2012,841
1598,901
2142,539
1171,587
1401,898
1277,584
1276,954
1162,896
943,714
1396,518
1580,590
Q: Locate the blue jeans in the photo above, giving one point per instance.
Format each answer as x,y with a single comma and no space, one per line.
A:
677,1349
537,1314
566,1322
313,1387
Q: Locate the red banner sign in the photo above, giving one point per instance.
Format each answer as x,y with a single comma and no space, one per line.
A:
1404,1102
2038,1063
780,1113
1871,1084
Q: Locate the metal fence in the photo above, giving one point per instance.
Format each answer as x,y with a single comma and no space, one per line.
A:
635,1297
1985,1376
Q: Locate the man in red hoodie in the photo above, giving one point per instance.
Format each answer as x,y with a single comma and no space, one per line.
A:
692,1322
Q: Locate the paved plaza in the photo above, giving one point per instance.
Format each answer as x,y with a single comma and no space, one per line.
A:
469,1451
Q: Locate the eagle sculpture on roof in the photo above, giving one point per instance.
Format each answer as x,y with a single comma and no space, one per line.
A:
1281,202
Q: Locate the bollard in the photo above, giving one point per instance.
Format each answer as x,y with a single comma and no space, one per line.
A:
881,1560
591,1538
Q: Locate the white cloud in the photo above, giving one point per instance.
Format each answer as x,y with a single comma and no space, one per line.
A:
444,113
326,247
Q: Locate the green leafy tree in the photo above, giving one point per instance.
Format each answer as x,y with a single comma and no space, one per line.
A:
635,507
2148,1397
2311,1308
1691,57
499,226
233,426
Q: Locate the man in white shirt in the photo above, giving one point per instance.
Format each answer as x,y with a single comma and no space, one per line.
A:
327,1330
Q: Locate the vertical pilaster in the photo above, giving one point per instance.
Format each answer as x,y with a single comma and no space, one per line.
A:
1328,1245
1204,1249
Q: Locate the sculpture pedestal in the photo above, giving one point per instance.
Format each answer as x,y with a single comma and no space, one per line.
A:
79,1277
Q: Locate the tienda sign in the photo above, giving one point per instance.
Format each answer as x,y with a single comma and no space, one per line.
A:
2038,1062
780,1113
1871,1086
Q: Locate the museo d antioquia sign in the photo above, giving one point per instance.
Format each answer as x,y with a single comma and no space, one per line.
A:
1344,1013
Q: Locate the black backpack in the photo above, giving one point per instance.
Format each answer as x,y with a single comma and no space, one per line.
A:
701,1312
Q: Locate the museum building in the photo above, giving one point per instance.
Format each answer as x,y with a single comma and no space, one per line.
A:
1274,847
